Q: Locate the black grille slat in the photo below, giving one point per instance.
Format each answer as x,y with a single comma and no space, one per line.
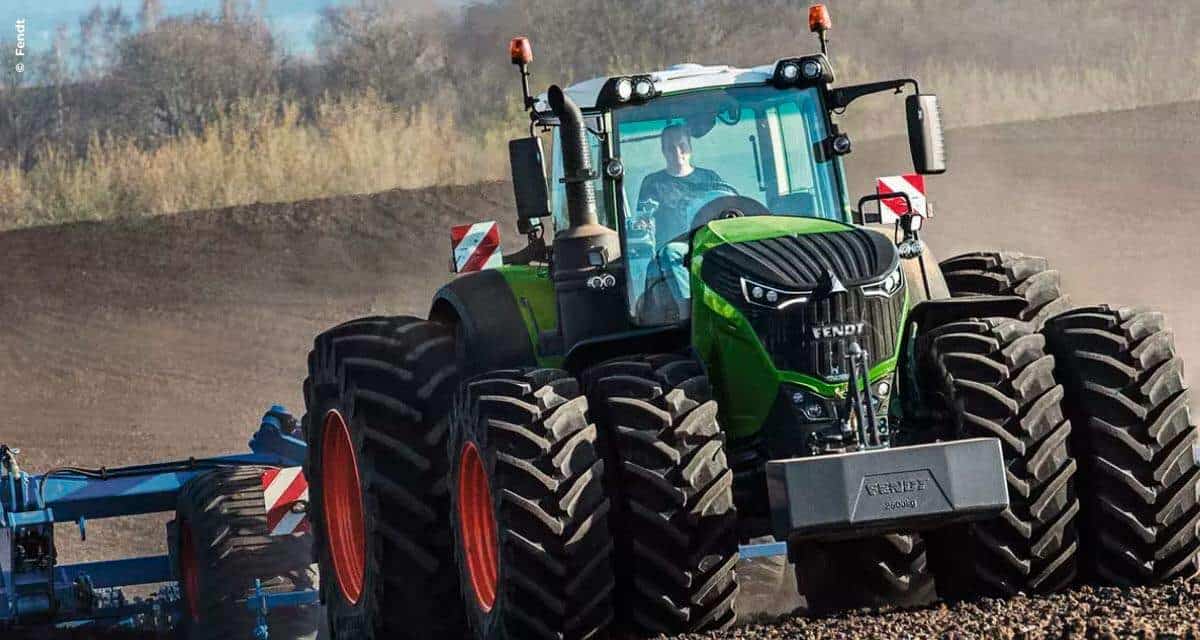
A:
857,251
789,339
799,263
833,258
778,260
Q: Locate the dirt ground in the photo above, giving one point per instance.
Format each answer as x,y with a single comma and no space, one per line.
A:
168,337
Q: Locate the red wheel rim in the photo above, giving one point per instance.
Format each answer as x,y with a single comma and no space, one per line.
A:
478,526
342,505
187,571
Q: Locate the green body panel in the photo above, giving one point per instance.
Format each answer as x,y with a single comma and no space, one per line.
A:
534,290
745,380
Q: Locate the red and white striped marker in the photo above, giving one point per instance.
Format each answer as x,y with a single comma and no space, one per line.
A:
891,209
476,246
282,489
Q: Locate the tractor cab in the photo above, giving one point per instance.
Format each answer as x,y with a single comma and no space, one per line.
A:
672,151
714,142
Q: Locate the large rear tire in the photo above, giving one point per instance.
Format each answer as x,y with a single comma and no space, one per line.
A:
673,519
1135,443
378,394
529,511
1002,273
994,379
881,571
221,545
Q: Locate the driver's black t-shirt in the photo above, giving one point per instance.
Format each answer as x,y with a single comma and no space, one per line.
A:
667,196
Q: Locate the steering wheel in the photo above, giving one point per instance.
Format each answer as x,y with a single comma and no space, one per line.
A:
725,207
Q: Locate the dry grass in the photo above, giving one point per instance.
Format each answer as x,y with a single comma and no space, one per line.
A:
355,145
361,144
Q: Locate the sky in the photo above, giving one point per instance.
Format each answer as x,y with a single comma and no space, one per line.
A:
292,21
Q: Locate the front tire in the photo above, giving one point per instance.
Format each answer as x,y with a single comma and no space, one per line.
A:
529,511
674,520
1135,442
995,380
1003,273
889,570
378,394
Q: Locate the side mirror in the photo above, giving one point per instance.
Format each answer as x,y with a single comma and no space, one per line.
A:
529,182
925,136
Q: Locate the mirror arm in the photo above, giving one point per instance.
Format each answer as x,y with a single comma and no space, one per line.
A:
842,97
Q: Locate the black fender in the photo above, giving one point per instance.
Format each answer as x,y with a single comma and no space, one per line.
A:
934,313
490,328
666,339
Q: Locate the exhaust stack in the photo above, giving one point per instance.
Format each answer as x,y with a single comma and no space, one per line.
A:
577,162
587,279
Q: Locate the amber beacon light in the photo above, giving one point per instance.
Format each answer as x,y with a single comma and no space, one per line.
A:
520,50
818,19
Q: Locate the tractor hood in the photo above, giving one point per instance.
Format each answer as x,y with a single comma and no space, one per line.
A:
780,304
733,230
795,254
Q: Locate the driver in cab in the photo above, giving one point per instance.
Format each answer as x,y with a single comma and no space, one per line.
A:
666,194
667,197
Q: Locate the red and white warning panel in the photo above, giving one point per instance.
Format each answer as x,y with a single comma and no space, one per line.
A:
475,247
892,208
285,495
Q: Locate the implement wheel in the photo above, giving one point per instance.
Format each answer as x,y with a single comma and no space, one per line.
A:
528,509
220,544
1135,442
378,394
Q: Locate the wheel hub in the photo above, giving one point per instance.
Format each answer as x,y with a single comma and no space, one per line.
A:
343,507
478,526
187,571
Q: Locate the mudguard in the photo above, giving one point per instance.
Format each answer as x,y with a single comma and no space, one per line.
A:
491,331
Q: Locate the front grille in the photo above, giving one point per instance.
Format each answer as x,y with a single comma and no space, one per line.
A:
855,257
788,338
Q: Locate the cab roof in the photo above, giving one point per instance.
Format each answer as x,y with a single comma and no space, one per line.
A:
675,79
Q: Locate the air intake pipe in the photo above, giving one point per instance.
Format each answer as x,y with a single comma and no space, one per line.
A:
587,278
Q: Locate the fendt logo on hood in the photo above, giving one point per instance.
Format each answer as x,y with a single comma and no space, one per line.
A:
830,331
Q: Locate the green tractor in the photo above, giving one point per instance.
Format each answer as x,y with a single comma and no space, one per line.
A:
577,441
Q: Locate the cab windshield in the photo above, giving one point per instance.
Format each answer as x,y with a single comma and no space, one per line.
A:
694,157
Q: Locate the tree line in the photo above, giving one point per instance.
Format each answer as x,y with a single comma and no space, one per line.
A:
150,78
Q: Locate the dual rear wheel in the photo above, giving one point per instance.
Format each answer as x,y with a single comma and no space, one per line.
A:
491,506
1128,429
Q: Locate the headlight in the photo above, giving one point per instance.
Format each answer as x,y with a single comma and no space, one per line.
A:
624,89
790,71
644,88
813,407
771,297
812,70
880,396
887,287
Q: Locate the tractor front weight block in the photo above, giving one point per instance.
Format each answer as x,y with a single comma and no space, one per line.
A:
854,495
